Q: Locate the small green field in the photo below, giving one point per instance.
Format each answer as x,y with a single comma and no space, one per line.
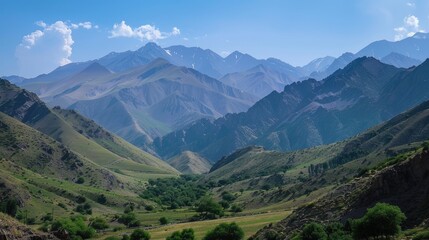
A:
249,223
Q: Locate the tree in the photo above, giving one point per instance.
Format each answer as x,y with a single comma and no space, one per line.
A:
225,231
236,209
80,180
10,207
140,234
163,220
227,196
99,223
208,208
75,226
381,220
102,199
186,234
313,231
129,219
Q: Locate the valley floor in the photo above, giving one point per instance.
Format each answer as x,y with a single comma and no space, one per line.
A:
249,223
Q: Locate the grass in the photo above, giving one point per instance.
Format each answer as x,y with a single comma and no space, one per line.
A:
249,223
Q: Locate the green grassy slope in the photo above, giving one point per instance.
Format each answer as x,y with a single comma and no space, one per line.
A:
113,153
269,177
190,163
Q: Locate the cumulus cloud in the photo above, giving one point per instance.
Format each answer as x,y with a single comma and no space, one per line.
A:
143,33
410,4
410,27
47,48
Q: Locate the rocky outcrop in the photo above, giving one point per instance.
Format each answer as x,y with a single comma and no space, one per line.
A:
404,184
10,229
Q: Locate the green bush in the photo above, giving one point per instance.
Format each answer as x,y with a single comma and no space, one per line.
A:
236,209
313,231
84,209
381,220
47,218
208,208
225,231
422,236
227,196
129,219
140,234
80,180
186,234
163,220
101,199
75,226
99,223
9,206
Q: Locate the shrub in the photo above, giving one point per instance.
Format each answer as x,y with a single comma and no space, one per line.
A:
99,223
75,226
422,236
313,231
208,208
224,204
163,220
149,208
186,234
129,219
80,180
140,234
381,220
227,196
236,209
225,231
84,209
47,218
10,207
101,199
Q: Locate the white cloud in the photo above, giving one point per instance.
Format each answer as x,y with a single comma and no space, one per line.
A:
143,33
412,21
410,4
47,48
85,25
410,27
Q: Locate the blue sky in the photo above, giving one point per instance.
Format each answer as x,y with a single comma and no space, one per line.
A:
293,31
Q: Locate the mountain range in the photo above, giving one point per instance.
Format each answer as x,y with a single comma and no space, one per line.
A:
146,101
154,97
308,113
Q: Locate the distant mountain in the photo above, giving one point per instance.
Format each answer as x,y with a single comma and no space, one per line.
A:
260,80
204,61
318,65
308,113
416,47
190,163
404,53
146,101
336,64
400,61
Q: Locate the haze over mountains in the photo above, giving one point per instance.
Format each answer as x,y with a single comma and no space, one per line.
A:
145,94
308,113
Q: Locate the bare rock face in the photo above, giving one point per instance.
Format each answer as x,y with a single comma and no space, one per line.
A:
404,184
